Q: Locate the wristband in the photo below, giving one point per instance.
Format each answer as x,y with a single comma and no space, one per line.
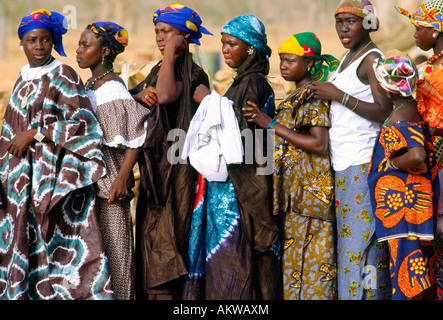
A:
345,100
355,105
287,135
272,124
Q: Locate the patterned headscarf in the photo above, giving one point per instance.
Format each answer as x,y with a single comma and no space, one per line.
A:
429,15
116,36
184,19
309,46
250,30
360,8
54,22
397,75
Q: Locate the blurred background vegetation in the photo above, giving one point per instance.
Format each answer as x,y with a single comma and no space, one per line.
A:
282,18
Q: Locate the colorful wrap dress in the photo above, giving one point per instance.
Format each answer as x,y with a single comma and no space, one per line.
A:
304,197
430,105
51,245
405,208
234,250
123,122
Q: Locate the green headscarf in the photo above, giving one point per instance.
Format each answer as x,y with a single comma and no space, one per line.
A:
308,45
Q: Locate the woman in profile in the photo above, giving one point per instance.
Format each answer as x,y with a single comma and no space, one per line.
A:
123,122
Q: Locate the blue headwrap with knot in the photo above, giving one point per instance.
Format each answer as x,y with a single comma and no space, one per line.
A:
115,35
249,29
54,22
182,18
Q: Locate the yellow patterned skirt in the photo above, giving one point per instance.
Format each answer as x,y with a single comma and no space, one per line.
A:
309,266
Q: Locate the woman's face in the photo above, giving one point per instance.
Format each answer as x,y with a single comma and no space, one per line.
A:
37,45
163,33
293,67
350,29
424,39
89,51
235,51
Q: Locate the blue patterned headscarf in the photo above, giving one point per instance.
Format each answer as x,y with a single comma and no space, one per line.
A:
249,29
115,35
182,18
54,22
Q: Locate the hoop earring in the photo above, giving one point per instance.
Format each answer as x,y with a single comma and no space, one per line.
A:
435,34
251,51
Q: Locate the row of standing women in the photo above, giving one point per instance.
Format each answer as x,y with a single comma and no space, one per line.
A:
350,211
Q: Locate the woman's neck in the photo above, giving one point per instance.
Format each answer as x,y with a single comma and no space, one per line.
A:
303,82
361,45
100,69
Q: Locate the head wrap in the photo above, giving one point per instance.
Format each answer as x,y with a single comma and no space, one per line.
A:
429,15
360,8
397,75
184,19
54,22
250,30
309,46
116,36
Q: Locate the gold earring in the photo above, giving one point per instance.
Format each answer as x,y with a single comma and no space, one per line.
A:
251,51
435,34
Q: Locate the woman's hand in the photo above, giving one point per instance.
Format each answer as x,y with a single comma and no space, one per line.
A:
118,191
255,115
326,91
176,45
201,92
21,142
148,96
418,169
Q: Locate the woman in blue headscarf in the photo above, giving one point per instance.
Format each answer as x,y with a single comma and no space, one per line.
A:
167,190
233,247
123,122
50,157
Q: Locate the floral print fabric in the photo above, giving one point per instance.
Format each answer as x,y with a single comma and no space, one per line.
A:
405,206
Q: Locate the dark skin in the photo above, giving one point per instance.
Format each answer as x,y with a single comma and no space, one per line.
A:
90,54
293,68
37,46
357,39
424,40
235,53
172,43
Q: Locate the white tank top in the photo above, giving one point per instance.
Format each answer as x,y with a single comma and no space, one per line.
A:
352,138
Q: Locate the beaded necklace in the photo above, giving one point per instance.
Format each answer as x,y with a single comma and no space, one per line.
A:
90,84
434,58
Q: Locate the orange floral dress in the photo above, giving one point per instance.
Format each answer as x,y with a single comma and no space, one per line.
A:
405,207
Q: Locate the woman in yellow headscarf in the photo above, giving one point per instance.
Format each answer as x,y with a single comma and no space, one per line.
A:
303,181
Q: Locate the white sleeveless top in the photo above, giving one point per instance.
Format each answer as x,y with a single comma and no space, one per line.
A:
352,137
